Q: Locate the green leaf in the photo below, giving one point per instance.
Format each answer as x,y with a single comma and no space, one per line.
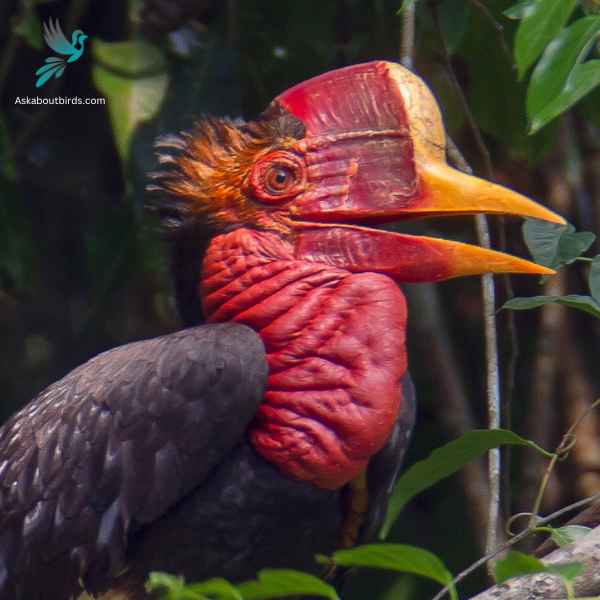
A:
540,24
496,98
583,303
132,75
517,564
562,536
520,10
445,461
174,588
28,27
279,583
554,245
573,244
582,80
594,278
542,239
567,571
397,557
132,58
550,76
217,589
169,587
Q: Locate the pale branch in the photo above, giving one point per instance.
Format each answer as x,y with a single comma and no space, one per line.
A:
407,40
489,305
492,361
456,414
545,586
515,540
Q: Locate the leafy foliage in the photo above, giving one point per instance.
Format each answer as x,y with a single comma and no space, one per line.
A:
516,564
556,246
28,25
270,583
446,460
562,536
234,66
133,77
583,303
175,588
397,557
541,21
561,77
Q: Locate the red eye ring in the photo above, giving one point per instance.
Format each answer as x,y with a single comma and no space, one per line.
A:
277,177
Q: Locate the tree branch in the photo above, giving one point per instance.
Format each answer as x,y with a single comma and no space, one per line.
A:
489,304
515,540
544,586
407,40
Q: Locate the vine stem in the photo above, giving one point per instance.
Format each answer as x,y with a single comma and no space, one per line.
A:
489,305
492,369
565,445
514,540
407,41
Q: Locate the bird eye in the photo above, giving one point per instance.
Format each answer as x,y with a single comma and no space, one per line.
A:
277,177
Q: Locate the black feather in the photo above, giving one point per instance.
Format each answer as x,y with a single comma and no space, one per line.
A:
114,446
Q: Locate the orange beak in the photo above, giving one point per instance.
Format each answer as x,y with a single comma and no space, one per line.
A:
375,148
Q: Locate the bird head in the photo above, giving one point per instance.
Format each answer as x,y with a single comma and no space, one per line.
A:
354,147
78,37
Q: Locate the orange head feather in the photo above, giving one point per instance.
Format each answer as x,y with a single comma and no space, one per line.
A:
209,171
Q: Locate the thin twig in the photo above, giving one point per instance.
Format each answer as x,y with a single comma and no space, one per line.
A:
407,42
483,230
456,416
583,460
546,585
536,521
541,414
517,538
565,445
489,303
492,371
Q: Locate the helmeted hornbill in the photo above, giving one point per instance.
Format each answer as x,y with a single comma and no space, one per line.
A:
257,439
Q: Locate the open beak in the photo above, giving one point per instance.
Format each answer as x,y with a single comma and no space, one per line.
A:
375,149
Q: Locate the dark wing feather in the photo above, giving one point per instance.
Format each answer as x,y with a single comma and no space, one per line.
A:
385,466
112,447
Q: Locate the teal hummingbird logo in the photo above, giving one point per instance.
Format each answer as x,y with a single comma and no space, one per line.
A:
56,40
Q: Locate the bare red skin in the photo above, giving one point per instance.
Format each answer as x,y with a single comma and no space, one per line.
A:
335,343
358,146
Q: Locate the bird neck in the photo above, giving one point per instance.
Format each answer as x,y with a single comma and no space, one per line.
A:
335,348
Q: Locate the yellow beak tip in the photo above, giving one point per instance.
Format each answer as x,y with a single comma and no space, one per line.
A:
546,270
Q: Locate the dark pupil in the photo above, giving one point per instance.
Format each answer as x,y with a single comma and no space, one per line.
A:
279,179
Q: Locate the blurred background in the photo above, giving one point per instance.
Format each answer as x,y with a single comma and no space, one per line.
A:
83,268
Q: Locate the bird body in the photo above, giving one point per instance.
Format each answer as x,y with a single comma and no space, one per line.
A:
335,349
275,431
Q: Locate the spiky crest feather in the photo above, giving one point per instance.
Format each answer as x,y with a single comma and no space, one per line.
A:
206,171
